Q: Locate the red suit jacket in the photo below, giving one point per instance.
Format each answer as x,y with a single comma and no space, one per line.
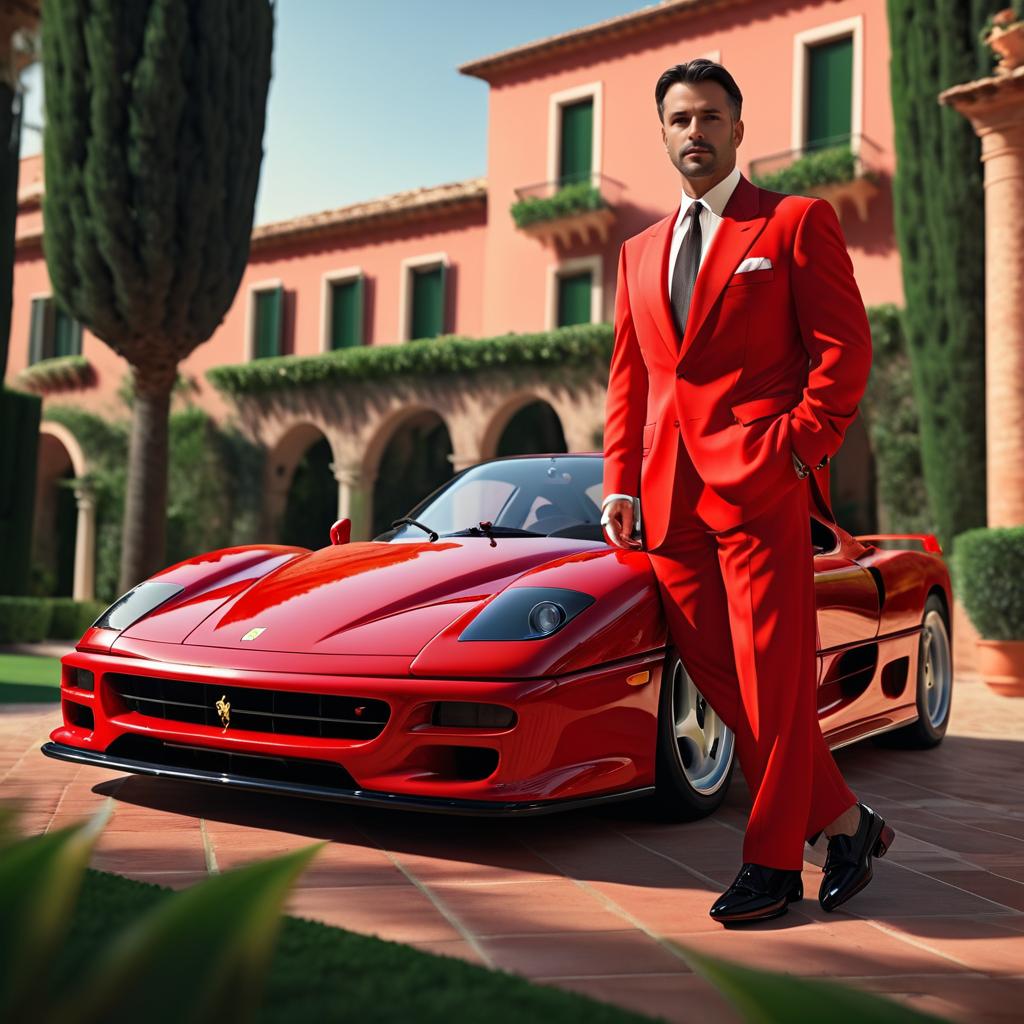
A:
772,360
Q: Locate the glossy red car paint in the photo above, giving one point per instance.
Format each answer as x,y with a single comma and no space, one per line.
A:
381,621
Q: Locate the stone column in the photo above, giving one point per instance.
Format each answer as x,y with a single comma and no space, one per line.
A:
355,497
84,586
995,108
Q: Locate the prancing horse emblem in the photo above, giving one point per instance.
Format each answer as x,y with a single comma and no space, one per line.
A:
253,633
224,710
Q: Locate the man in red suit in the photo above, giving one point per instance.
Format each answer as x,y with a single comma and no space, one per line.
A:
741,351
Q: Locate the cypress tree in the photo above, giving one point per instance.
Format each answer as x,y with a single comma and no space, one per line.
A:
153,143
939,218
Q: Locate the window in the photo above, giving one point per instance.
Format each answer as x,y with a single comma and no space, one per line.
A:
52,331
267,303
574,134
574,292
828,85
829,93
346,313
575,158
424,300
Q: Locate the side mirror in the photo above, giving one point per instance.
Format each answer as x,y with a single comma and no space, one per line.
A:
341,531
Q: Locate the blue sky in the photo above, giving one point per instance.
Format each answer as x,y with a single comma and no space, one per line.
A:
366,100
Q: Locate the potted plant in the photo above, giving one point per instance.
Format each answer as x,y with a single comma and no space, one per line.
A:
988,572
1004,33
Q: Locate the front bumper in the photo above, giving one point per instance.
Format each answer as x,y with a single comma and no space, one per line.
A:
396,801
580,738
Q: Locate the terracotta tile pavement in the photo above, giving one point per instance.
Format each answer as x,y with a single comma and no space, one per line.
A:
603,902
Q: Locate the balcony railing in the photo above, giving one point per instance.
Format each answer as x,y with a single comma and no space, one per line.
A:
566,211
840,168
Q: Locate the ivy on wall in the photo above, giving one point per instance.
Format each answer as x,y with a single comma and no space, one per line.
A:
891,417
583,343
822,167
576,198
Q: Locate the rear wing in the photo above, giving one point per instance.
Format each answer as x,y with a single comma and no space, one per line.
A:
928,540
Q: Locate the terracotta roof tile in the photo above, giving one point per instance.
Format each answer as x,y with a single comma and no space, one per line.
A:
411,204
620,26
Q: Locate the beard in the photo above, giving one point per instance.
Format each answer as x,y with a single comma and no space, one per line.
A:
699,166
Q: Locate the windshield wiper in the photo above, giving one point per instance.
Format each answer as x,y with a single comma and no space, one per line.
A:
487,529
412,522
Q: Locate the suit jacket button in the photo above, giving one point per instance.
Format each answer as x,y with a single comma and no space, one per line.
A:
675,423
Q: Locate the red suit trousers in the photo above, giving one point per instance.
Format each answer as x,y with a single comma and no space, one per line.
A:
740,609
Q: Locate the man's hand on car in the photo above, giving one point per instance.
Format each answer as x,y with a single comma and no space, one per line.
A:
618,524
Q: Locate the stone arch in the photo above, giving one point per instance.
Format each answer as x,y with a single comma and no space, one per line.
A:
407,457
64,534
299,458
513,409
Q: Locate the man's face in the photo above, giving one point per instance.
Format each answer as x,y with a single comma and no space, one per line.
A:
698,130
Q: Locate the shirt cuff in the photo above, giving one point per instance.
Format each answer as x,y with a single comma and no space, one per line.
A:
612,497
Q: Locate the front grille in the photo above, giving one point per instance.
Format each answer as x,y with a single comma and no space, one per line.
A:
255,710
299,771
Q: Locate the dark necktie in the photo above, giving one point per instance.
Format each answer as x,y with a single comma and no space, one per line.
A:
684,274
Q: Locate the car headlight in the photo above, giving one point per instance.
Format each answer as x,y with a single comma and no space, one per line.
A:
139,601
527,613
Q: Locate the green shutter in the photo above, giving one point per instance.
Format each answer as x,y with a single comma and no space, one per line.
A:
574,291
37,343
347,313
67,334
428,306
829,92
268,322
577,145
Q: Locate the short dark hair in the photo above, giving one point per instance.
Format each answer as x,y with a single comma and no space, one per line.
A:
699,70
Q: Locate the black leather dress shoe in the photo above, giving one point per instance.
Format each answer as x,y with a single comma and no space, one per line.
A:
758,893
848,863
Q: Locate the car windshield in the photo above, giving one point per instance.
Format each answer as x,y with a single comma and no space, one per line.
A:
551,496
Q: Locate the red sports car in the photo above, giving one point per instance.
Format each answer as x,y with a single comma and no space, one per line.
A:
489,654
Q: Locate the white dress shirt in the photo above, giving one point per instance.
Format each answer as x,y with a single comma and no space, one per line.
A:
714,202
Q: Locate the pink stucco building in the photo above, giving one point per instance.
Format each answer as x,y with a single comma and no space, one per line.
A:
451,259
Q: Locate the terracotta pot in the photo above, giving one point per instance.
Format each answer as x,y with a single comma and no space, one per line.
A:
1009,44
1001,665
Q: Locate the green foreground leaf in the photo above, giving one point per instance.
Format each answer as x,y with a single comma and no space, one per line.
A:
39,882
765,997
201,956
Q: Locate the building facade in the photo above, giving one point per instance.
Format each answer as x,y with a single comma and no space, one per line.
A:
572,111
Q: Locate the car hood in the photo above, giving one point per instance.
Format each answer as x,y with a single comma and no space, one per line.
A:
373,597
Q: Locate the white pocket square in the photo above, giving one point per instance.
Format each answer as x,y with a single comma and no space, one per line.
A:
754,263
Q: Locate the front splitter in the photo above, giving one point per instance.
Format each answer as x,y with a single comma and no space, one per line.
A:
366,797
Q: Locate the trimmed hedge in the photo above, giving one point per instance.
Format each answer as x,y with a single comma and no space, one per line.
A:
583,343
31,619
987,569
576,198
24,619
71,618
821,167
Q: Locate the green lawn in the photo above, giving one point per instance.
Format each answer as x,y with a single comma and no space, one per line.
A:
320,973
28,679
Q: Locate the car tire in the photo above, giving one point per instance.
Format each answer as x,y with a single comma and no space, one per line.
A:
696,752
934,683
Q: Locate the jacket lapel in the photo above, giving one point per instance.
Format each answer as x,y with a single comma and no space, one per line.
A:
654,275
738,231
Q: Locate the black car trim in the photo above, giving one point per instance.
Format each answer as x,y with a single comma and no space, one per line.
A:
366,797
